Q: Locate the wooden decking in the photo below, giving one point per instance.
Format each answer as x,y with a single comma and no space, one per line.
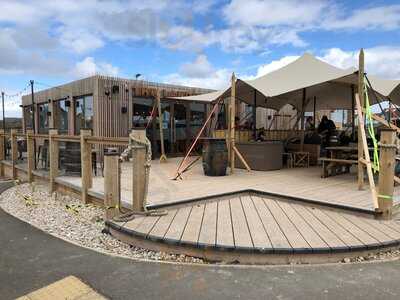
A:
260,225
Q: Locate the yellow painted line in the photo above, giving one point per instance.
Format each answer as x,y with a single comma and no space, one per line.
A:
69,288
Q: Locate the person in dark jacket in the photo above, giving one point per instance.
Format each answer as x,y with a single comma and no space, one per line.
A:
326,128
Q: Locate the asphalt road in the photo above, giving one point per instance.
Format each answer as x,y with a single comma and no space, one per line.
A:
30,259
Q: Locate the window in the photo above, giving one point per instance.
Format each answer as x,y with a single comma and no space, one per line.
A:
61,115
43,117
28,117
142,108
83,113
197,117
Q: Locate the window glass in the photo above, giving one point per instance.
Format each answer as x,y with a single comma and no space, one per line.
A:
142,108
61,115
83,113
197,117
28,117
43,117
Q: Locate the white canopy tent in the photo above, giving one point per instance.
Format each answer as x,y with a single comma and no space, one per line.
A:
306,78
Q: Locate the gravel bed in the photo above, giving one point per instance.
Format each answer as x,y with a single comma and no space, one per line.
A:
68,218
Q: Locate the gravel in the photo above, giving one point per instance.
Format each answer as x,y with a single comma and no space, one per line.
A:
67,217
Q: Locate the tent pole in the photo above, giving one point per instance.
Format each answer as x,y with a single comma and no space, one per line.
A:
353,104
361,97
255,115
303,103
314,111
232,123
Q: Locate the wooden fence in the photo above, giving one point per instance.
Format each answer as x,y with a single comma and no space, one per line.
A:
85,139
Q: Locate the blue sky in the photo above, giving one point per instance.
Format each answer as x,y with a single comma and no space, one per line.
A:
196,43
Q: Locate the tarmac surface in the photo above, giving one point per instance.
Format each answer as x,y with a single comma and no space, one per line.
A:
31,259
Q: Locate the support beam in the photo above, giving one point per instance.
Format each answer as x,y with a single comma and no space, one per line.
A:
86,164
360,173
14,152
315,112
255,114
138,171
387,163
53,150
231,124
365,161
30,149
2,152
163,157
303,106
112,184
353,107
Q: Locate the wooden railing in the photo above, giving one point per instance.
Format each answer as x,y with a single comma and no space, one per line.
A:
246,135
85,139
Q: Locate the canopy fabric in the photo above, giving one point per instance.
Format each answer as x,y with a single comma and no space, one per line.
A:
330,87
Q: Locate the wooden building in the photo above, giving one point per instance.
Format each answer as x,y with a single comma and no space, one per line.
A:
111,107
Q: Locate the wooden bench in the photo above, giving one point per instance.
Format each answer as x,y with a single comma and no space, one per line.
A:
336,166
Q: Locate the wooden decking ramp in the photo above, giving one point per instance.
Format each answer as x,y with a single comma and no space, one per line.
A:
255,228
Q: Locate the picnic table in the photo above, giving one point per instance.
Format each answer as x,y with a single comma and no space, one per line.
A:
339,160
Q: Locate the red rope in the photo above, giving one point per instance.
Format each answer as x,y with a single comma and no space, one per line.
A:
178,173
151,115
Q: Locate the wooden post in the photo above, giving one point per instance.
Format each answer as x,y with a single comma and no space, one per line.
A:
232,123
138,172
163,157
112,185
53,151
30,153
387,163
360,172
14,152
254,115
353,105
303,104
2,152
86,164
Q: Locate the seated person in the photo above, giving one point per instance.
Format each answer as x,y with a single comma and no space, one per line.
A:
309,124
261,137
326,129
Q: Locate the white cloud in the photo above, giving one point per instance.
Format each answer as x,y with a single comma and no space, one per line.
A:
199,68
383,61
200,73
381,18
89,67
274,12
80,42
275,65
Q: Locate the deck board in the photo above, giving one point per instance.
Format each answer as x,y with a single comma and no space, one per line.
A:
177,226
349,239
241,232
163,224
324,232
224,225
257,232
208,230
192,230
364,237
275,234
147,225
292,234
307,231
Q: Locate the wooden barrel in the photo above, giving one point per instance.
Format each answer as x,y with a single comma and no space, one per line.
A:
215,157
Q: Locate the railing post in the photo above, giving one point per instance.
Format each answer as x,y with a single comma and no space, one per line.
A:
138,171
86,164
387,163
14,152
30,153
2,152
53,150
111,184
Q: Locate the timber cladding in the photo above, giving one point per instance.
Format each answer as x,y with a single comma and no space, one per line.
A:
112,100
